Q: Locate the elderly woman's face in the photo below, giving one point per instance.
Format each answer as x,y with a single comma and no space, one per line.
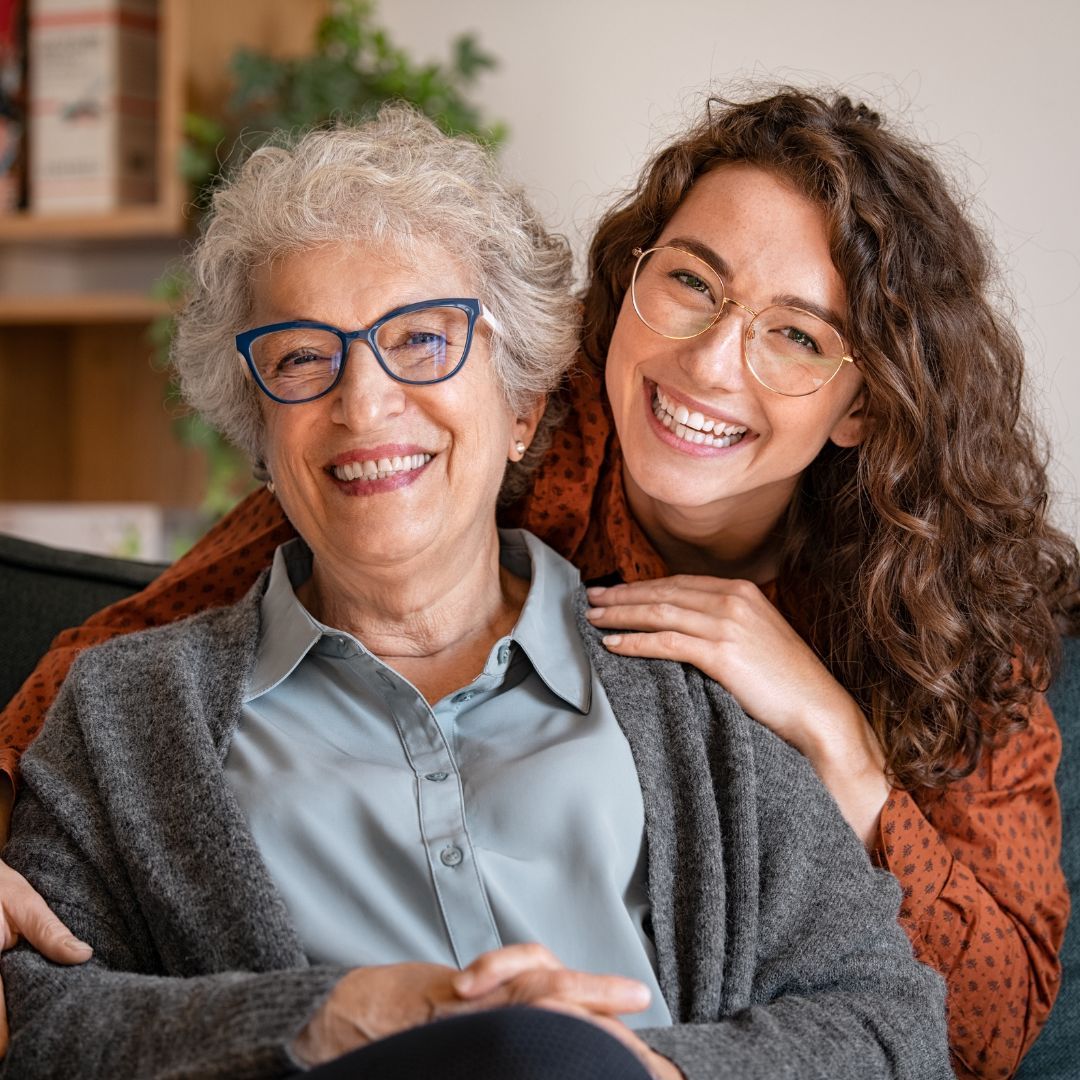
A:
446,445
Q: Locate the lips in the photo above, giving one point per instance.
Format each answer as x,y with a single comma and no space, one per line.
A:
688,426
368,470
379,468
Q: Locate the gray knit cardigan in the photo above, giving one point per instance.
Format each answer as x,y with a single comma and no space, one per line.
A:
777,944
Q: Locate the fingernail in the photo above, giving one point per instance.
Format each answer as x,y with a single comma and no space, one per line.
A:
613,640
463,982
595,590
75,945
593,612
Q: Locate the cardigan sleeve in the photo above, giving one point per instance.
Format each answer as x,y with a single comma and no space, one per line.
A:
985,901
837,994
217,571
129,1011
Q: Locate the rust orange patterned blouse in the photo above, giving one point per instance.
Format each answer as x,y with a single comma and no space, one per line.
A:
985,901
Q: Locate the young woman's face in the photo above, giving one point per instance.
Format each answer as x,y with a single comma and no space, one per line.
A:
771,248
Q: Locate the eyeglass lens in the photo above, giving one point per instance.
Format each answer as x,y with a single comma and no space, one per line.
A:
417,346
789,350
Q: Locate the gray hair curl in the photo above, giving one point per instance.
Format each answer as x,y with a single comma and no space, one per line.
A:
394,180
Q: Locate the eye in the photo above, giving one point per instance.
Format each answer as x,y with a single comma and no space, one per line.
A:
298,358
424,337
801,339
692,281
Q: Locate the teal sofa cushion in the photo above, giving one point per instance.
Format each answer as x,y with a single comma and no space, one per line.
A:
1056,1053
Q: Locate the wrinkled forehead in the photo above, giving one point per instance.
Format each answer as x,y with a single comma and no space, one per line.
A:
360,278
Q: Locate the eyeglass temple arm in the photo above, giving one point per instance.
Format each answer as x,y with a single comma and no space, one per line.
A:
491,320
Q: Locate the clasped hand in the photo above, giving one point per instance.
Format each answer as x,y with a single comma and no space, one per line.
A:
373,1002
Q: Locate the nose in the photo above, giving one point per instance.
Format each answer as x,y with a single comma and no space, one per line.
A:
715,359
365,395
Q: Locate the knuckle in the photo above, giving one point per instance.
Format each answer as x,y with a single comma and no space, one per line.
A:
536,952
736,607
661,611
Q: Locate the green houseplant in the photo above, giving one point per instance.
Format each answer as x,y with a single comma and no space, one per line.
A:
351,70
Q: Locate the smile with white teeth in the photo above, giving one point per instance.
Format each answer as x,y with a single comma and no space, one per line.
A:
694,427
381,468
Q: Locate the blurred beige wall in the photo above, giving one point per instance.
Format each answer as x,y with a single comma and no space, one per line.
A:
587,86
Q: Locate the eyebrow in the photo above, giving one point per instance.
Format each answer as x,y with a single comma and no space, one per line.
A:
705,253
717,264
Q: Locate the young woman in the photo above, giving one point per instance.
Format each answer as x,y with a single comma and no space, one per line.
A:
797,397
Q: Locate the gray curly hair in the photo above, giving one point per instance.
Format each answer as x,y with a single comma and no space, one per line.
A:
394,180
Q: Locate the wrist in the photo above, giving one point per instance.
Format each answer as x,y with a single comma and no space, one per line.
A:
847,756
839,741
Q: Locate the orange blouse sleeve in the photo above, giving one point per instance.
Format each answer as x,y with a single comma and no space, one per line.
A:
218,570
984,898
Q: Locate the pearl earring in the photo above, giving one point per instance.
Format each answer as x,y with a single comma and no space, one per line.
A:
270,486
520,447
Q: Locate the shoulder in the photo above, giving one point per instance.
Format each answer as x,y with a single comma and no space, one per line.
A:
209,636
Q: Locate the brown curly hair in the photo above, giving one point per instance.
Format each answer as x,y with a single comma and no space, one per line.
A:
921,564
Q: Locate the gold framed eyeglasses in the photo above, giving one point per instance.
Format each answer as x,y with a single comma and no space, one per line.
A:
788,350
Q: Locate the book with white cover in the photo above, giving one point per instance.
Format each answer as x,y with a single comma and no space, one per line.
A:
92,104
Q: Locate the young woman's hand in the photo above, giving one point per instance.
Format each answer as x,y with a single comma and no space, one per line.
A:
729,630
23,914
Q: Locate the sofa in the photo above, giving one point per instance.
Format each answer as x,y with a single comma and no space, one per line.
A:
44,590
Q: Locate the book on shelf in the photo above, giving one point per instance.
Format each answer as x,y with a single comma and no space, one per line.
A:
12,105
92,104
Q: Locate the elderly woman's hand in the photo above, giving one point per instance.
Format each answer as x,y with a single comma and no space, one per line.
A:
374,1002
730,631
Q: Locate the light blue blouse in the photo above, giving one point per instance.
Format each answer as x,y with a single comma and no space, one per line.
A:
510,811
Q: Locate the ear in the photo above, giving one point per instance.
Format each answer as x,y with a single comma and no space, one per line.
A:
525,427
854,425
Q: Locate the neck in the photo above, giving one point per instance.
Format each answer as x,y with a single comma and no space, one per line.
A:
433,608
730,538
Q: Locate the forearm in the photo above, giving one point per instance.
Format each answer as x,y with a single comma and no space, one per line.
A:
1001,980
834,1036
231,1024
989,925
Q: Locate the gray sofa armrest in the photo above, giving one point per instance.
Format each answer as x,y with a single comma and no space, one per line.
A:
44,590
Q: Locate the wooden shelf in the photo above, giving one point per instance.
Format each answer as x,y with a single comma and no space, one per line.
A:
127,223
89,416
80,308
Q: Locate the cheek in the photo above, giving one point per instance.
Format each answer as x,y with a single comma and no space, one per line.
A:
619,367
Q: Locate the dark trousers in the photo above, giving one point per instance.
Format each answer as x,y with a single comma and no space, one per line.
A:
503,1044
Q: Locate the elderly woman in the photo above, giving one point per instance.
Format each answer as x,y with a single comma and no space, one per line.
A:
402,775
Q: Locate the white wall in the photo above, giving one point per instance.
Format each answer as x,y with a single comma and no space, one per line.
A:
587,86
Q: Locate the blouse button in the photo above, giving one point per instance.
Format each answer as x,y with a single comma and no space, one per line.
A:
451,856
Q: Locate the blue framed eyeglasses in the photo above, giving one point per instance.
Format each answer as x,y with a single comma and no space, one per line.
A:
418,344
